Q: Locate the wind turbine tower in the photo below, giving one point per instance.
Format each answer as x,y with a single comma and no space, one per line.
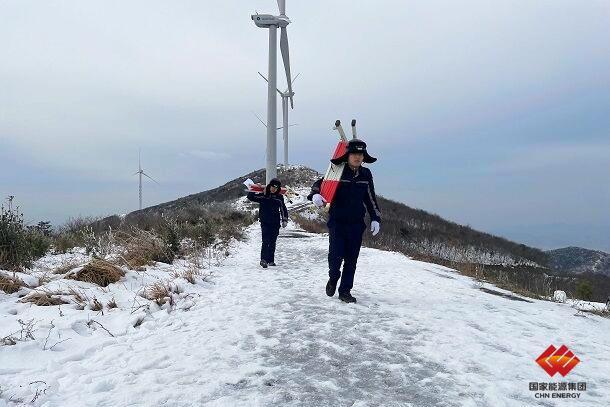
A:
285,97
140,173
271,23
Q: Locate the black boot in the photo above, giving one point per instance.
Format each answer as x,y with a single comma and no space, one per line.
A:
272,264
347,298
331,286
264,264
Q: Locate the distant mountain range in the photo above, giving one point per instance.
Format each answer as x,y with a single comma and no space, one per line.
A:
549,236
578,260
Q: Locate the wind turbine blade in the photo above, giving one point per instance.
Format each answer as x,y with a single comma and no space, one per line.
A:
282,6
146,175
136,173
262,76
286,59
260,120
295,78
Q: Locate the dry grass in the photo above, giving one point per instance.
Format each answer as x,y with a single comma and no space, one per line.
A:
191,274
142,248
66,267
195,265
98,272
112,304
95,305
43,299
195,269
80,297
44,278
309,225
161,293
10,284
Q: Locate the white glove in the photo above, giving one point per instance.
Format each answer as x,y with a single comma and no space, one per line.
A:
318,200
375,227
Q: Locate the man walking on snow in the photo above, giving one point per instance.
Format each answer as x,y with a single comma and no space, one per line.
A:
354,197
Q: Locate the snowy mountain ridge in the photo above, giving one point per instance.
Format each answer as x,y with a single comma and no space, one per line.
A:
578,260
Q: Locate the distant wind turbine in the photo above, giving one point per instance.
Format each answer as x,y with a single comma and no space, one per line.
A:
140,173
287,94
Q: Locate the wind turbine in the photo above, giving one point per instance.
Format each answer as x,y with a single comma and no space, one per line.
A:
272,23
140,173
285,96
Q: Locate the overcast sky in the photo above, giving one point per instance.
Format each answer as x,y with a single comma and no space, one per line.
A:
494,114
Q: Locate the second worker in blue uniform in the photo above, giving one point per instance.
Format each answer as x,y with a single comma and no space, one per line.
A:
272,213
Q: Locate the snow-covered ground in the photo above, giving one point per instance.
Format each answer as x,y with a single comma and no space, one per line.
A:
420,335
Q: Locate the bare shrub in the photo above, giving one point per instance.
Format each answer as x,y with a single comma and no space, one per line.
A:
26,333
215,255
210,223
76,232
98,272
93,324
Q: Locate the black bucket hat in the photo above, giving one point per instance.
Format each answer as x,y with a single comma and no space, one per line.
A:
355,146
273,183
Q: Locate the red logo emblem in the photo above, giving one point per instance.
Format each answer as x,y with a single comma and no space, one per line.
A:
554,360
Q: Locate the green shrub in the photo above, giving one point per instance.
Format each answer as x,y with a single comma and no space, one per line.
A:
19,245
584,290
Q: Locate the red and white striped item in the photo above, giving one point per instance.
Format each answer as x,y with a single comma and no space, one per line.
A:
332,178
261,188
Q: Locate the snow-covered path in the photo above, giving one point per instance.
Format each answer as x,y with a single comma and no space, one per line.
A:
420,335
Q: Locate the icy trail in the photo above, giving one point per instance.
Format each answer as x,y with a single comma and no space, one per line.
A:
420,335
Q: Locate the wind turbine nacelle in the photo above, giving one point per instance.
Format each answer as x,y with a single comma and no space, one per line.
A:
267,20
